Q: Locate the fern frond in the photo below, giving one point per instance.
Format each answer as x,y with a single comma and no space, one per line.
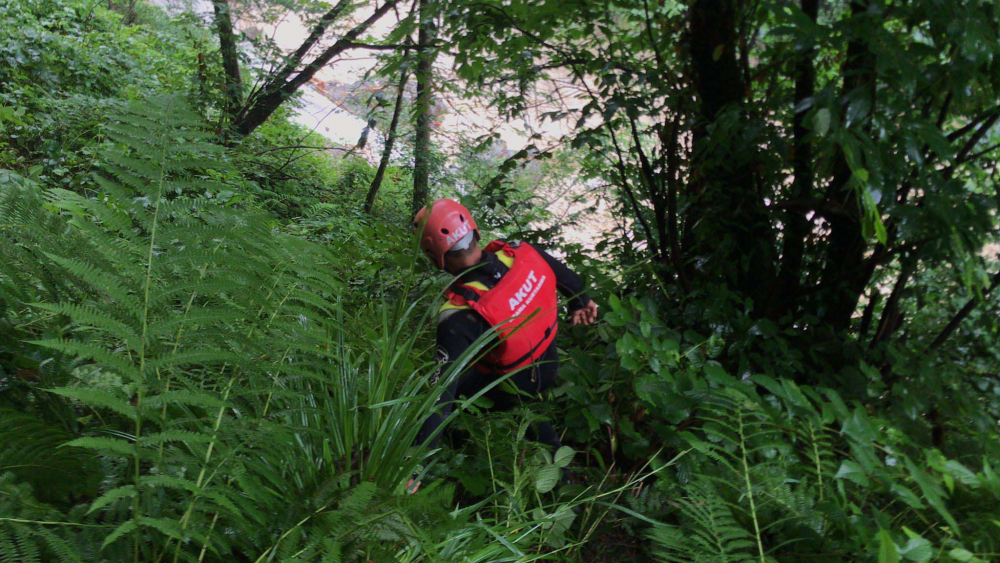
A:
98,398
710,535
104,445
105,282
93,352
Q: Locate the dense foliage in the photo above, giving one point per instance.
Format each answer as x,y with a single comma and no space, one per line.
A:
211,352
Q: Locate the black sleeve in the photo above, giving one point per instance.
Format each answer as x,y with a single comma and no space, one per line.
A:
568,282
456,332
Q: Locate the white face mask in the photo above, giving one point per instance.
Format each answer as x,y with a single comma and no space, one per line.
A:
464,242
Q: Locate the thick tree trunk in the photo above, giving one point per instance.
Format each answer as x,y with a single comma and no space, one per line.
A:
422,108
230,61
278,88
845,274
797,226
390,140
729,212
717,75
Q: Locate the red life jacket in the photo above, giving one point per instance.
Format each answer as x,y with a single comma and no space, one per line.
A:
522,306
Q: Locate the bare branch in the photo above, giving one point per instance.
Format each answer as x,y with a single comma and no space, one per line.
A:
962,313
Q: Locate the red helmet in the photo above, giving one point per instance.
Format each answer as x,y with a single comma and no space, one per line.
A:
445,222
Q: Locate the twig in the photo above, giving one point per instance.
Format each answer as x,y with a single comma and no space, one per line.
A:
293,147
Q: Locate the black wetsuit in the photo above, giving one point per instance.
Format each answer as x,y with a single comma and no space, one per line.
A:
458,329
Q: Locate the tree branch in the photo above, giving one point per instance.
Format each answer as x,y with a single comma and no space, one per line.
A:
390,139
281,86
378,47
659,212
889,321
962,313
628,190
293,60
974,123
294,147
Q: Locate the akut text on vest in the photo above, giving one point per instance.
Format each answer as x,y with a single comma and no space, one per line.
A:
522,307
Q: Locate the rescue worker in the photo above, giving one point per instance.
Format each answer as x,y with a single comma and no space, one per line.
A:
510,286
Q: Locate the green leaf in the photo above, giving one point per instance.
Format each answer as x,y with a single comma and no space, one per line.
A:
887,552
961,473
959,554
563,519
563,456
907,496
111,496
601,413
821,122
858,427
183,436
917,549
96,353
118,533
547,478
185,397
852,472
932,492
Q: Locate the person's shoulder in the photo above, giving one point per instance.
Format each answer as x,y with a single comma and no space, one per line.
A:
451,304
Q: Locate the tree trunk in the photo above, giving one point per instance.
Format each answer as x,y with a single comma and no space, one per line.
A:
390,140
889,321
717,75
869,314
422,108
672,162
845,274
797,226
278,88
728,211
129,17
230,62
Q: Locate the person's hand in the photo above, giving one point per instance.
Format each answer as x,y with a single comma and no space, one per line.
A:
412,486
585,316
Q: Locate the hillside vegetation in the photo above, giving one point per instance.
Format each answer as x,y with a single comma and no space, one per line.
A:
211,351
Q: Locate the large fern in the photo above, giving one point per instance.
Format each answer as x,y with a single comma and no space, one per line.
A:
239,407
709,534
757,471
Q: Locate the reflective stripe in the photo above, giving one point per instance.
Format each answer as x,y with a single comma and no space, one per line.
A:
522,307
507,260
